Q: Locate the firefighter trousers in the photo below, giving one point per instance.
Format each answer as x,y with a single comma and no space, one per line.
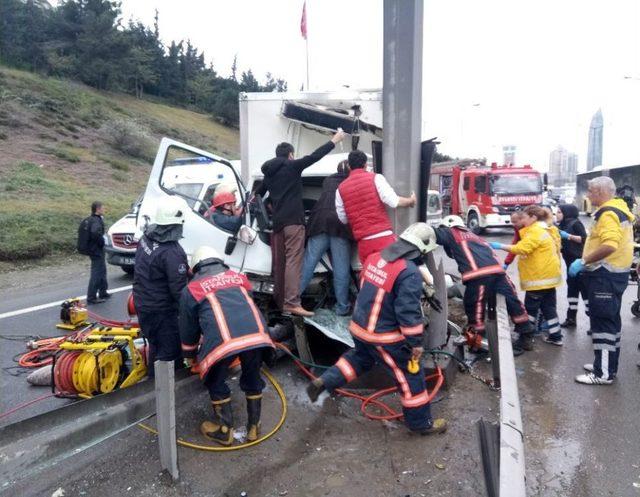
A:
395,358
605,290
251,383
475,299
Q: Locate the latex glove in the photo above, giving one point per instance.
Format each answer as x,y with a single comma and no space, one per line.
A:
564,235
505,266
416,353
576,267
495,245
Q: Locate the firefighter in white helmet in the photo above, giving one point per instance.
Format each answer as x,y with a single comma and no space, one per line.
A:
387,327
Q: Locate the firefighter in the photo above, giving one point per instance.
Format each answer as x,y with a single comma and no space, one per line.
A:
161,268
482,272
607,257
539,268
218,322
387,327
361,201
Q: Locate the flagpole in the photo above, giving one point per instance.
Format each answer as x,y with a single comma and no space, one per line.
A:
306,43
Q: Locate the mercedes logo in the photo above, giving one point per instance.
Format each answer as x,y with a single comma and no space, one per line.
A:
128,239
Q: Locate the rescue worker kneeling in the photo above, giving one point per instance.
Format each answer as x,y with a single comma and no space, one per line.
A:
218,322
388,327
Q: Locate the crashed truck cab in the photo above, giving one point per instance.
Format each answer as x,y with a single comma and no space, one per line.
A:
306,120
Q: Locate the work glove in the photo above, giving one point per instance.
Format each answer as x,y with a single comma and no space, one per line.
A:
495,245
564,235
576,267
430,293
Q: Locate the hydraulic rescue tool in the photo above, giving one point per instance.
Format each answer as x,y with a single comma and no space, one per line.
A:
97,362
73,315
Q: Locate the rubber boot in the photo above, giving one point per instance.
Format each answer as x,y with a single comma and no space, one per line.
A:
254,406
438,425
314,389
220,430
570,322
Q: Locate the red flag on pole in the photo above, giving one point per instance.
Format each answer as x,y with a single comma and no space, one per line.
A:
303,21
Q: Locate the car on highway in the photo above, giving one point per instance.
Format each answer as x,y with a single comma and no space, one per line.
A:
121,243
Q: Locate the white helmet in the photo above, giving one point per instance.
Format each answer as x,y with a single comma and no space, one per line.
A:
203,253
171,211
420,235
451,221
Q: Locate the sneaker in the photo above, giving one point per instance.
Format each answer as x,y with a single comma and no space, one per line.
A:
553,341
592,379
588,368
525,342
439,425
569,323
96,301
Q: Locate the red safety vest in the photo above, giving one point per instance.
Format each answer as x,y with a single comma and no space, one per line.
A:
365,211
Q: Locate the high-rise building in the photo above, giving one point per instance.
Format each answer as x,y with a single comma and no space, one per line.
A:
509,154
563,166
594,153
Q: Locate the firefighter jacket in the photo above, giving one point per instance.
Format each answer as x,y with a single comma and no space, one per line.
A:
614,227
388,309
538,261
474,256
365,210
218,317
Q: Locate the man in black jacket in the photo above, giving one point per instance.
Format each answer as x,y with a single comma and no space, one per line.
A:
326,232
97,291
161,269
282,178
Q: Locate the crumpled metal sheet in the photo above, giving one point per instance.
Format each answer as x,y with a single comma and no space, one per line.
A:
335,327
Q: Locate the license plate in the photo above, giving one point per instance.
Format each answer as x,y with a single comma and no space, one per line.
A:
129,261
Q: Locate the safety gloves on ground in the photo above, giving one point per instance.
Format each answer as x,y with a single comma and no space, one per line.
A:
564,235
496,245
576,267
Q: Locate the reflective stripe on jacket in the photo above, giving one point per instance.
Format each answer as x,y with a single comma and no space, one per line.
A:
388,308
218,317
538,261
615,231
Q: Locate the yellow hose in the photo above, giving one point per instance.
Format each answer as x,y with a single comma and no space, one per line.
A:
211,448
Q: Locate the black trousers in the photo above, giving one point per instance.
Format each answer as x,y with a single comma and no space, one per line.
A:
544,301
160,328
251,383
98,279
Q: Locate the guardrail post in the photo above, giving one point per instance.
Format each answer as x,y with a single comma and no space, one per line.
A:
166,416
491,330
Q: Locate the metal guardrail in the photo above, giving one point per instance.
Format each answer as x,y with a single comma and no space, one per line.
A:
42,441
512,463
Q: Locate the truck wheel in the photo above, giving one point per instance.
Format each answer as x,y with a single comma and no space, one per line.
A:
127,269
473,223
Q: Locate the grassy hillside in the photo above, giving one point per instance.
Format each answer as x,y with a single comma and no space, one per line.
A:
63,145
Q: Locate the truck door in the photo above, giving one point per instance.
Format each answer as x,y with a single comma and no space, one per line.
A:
465,188
193,174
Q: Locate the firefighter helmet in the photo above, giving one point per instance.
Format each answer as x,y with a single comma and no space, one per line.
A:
420,235
451,221
171,211
202,254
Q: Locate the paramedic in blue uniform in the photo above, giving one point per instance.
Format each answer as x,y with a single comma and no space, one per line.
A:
219,321
387,327
161,268
604,267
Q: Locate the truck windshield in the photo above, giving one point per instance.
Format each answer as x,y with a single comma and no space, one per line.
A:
515,184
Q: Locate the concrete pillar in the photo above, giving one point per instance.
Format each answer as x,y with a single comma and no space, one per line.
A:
402,100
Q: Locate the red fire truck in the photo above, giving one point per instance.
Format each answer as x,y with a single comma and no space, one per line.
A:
485,196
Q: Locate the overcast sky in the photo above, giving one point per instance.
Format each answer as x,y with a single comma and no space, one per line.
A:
496,72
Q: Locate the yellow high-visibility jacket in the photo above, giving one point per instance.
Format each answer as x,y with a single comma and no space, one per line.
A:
557,239
609,230
538,261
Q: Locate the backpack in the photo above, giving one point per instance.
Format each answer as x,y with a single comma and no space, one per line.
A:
84,236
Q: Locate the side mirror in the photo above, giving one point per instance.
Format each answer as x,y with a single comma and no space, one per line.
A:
231,245
247,235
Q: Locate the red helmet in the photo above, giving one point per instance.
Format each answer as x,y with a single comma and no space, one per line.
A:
223,198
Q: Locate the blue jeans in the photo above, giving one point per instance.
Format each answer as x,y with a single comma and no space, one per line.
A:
317,246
